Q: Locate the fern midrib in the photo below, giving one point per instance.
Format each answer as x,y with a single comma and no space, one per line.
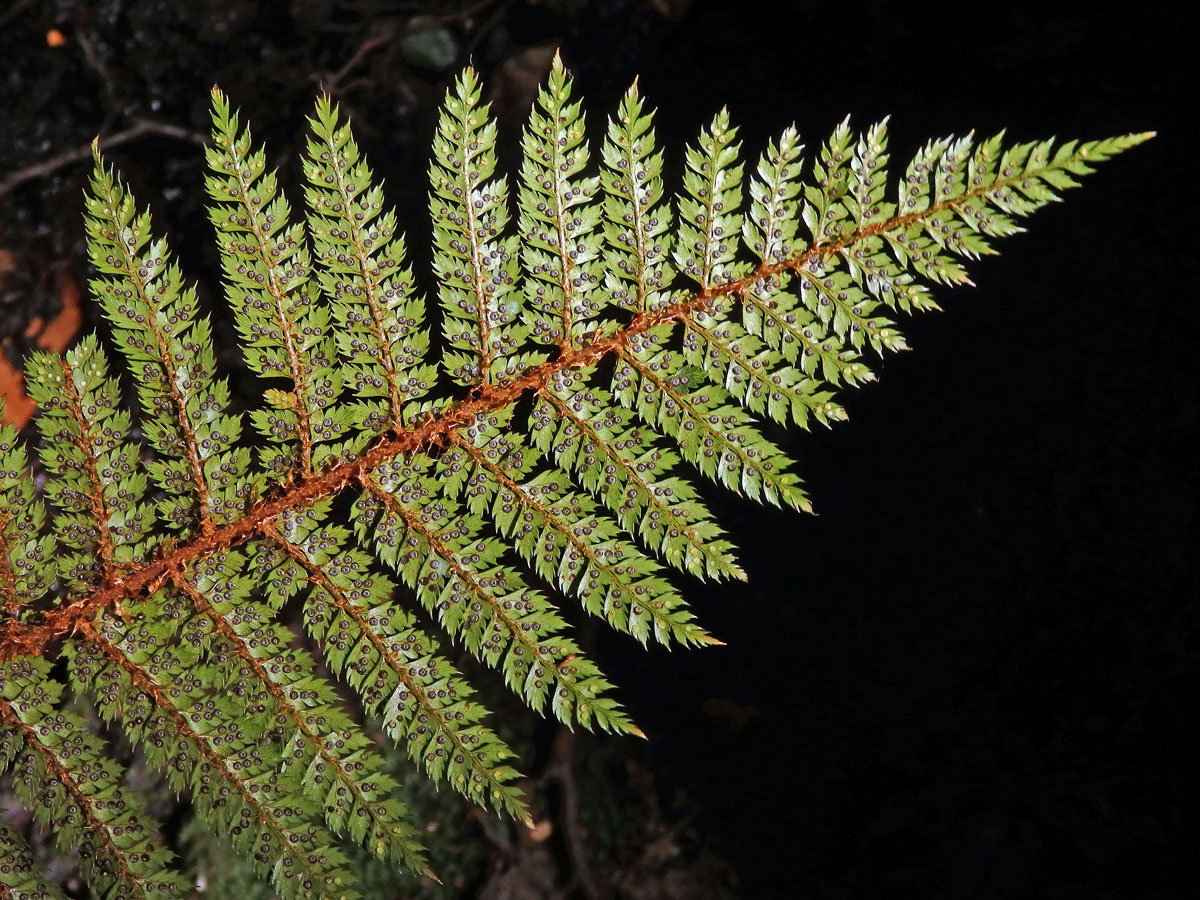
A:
566,259
478,281
8,578
712,240
64,777
639,215
18,638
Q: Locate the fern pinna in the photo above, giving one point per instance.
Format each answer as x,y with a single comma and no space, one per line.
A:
596,334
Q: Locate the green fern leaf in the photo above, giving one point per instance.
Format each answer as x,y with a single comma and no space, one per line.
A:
336,764
590,357
559,224
380,320
440,553
389,661
268,270
168,348
639,228
557,531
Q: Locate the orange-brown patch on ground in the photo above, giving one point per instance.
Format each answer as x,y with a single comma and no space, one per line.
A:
55,335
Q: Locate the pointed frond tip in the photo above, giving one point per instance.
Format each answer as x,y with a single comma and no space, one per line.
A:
526,454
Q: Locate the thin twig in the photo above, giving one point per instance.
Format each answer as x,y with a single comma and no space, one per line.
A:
363,51
140,129
96,64
495,835
487,25
562,771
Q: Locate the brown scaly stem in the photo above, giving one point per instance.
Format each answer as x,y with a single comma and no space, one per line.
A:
9,605
19,638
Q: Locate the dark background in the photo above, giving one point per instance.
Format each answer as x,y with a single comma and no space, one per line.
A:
972,674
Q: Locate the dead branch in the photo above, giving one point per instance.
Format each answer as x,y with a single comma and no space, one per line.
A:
142,128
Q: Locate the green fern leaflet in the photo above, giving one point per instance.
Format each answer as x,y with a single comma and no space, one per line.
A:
602,343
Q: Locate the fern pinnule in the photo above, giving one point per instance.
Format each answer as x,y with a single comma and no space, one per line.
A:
559,531
201,473
381,331
216,747
27,559
559,222
580,428
639,228
455,571
474,257
387,658
591,345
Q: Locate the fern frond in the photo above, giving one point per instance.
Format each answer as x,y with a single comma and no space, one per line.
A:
104,521
268,270
710,207
559,223
204,742
590,436
639,228
607,345
454,571
557,531
713,434
336,764
168,348
390,662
